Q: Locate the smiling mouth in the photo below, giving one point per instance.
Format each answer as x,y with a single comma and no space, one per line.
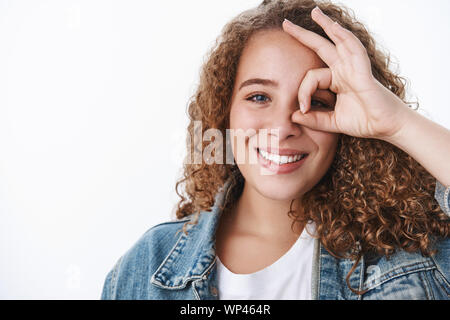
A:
281,159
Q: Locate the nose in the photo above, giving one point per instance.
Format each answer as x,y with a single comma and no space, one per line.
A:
281,120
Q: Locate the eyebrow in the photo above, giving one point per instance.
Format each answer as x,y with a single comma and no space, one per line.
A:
265,82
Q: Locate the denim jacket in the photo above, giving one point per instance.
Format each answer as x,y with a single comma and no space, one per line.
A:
167,264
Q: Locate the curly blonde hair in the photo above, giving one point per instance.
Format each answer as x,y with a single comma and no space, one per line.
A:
374,198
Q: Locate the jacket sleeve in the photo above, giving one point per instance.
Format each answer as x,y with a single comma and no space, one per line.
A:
441,258
442,196
110,284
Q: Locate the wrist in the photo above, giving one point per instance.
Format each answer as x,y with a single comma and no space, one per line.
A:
407,118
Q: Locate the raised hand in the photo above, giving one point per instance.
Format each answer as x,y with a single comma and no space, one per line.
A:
364,107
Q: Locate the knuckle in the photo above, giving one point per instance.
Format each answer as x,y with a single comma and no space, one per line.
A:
309,74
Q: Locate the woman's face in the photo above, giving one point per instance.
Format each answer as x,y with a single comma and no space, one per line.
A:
274,55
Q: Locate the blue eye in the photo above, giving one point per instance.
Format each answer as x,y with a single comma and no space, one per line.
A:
260,98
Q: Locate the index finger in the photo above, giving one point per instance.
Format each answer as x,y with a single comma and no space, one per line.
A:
324,48
340,36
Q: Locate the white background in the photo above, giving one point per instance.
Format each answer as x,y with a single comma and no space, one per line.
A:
93,98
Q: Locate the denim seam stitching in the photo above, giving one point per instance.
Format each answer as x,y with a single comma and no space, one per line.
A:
171,222
316,277
158,283
203,277
428,288
198,258
440,271
361,277
446,199
446,290
153,279
197,296
424,268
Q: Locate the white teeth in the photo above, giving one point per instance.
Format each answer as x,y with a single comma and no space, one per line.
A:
275,158
280,159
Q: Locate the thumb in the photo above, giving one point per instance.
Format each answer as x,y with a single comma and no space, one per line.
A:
316,120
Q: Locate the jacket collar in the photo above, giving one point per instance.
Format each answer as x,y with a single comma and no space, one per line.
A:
193,255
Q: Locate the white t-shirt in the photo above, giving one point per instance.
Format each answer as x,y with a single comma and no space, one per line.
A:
288,278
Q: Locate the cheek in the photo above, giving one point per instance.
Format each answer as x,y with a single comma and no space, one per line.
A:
326,142
244,121
242,117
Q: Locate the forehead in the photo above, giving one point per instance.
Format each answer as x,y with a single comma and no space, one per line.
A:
276,54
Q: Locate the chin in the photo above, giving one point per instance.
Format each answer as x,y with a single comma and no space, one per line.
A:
279,191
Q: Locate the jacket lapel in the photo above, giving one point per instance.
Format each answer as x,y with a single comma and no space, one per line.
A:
193,256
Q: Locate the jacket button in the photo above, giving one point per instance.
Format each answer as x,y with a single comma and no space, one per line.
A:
213,291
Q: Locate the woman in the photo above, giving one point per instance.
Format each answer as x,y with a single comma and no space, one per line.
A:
352,204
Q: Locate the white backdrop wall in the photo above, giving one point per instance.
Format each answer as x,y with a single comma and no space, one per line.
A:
93,98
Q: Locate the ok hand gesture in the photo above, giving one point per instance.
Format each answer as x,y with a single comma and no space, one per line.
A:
364,107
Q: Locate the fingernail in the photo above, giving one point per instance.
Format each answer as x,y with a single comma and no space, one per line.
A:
288,21
318,9
302,107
